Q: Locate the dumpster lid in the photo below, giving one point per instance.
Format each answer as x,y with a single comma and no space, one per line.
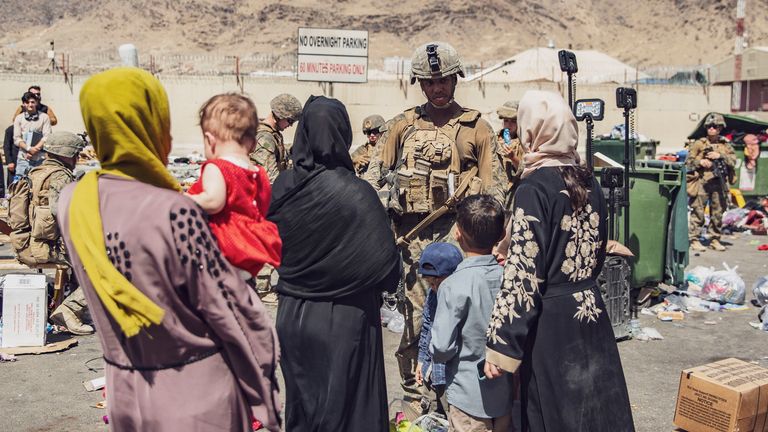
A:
733,122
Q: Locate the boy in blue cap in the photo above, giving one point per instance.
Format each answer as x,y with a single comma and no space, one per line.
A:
438,261
464,304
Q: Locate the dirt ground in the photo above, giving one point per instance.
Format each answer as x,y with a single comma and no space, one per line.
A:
45,392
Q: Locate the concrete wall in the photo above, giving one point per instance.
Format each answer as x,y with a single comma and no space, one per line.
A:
666,113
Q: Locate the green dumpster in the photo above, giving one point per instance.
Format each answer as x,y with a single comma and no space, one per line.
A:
658,224
758,184
614,149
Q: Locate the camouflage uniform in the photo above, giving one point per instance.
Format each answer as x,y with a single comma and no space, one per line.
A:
703,186
55,175
472,143
270,152
361,157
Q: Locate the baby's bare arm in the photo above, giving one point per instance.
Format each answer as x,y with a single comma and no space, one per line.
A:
214,195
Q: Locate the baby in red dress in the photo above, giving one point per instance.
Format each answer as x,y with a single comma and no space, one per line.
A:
234,192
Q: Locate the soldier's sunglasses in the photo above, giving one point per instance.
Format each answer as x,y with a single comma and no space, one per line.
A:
371,131
713,126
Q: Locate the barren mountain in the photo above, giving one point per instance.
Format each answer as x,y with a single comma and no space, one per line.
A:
645,33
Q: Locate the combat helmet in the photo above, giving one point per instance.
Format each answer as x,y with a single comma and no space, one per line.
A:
716,119
286,106
508,110
65,144
435,60
373,122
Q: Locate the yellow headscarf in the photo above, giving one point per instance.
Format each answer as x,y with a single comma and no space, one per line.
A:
126,114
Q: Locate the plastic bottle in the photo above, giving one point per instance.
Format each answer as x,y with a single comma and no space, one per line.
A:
507,136
634,327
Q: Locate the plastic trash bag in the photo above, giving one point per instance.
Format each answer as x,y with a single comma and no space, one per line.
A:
699,274
760,291
725,286
397,323
733,216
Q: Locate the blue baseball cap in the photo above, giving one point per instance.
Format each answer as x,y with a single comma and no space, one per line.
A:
439,259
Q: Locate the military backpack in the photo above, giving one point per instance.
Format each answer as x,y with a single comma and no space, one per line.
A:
34,233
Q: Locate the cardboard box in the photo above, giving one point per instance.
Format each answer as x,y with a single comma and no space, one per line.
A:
25,312
730,395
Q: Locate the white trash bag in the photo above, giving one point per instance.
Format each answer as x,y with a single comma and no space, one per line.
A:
725,286
760,291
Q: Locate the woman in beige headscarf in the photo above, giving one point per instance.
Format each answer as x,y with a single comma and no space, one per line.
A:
187,345
549,321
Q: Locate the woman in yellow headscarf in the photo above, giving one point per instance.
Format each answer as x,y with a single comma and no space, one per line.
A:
185,341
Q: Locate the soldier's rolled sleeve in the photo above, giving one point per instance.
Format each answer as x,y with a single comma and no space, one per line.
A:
391,144
490,169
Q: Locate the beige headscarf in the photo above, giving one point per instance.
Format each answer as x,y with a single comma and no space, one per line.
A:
547,130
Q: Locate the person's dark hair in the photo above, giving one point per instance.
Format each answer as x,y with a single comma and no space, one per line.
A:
481,220
577,180
34,87
29,95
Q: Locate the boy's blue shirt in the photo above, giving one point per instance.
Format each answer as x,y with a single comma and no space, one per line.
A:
464,304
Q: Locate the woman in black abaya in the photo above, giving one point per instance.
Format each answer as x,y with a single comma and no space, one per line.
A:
338,256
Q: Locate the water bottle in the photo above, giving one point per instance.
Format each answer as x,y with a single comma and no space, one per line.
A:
507,136
634,327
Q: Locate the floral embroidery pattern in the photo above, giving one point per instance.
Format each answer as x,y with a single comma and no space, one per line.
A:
581,250
587,308
520,282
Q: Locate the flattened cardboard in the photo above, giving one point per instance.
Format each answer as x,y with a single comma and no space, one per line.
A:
730,395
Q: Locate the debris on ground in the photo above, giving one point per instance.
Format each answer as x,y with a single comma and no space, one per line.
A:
7,357
649,333
725,286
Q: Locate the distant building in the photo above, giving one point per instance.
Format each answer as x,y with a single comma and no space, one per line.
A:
754,78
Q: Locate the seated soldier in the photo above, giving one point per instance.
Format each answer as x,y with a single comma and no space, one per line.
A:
39,241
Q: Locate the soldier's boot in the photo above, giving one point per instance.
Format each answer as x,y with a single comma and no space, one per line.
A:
69,314
696,246
716,245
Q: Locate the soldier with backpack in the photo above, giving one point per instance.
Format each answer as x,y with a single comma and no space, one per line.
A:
33,212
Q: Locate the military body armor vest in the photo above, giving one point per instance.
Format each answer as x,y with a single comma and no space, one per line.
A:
426,169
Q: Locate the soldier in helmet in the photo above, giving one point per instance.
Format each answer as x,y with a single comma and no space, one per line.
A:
432,149
270,151
509,148
372,128
711,161
61,151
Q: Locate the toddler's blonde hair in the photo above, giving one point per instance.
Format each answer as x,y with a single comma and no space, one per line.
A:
230,116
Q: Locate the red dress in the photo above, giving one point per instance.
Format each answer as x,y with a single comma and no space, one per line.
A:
246,238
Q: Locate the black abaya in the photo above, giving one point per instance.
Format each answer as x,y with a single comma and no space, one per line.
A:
338,256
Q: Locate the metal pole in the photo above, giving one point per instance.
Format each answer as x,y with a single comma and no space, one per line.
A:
590,125
626,176
570,90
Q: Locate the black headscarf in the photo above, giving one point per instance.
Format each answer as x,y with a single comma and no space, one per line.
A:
335,232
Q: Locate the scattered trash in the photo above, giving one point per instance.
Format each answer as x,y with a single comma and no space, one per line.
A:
95,384
7,357
710,322
763,317
760,291
100,405
649,333
48,348
670,315
397,323
699,274
725,286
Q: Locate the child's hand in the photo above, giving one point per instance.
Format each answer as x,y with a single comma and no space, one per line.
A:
419,377
492,371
